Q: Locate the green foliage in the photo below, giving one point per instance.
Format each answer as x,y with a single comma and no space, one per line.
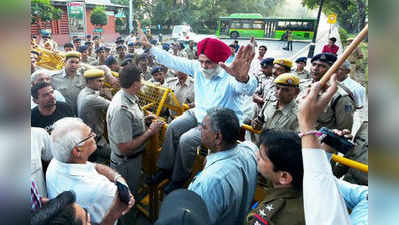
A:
343,33
146,22
351,14
42,10
98,16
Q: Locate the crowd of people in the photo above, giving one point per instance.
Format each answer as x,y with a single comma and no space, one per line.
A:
89,132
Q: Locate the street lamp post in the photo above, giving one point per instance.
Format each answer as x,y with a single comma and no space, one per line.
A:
313,45
130,16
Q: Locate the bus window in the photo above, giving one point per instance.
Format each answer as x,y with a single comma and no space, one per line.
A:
258,24
246,25
235,25
282,25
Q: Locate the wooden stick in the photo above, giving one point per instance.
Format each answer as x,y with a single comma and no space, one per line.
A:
344,56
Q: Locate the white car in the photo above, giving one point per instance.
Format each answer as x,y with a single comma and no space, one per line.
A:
183,33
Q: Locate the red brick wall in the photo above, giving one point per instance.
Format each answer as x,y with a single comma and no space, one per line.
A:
109,34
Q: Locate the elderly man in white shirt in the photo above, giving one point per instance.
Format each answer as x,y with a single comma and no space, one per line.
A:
358,91
72,144
325,197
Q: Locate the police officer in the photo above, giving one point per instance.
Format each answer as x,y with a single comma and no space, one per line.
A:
280,66
127,131
265,80
339,112
70,80
142,63
281,113
130,47
157,76
121,51
191,51
279,161
183,88
101,57
92,108
85,57
300,70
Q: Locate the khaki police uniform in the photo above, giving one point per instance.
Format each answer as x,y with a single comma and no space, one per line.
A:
182,54
69,86
304,74
191,53
147,75
282,206
184,92
285,118
90,60
125,121
339,112
96,63
92,109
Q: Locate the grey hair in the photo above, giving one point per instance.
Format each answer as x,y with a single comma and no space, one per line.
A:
347,65
36,74
65,136
226,122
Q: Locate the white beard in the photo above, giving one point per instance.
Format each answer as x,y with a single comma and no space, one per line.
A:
210,73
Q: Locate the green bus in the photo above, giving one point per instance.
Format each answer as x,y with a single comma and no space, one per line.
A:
254,24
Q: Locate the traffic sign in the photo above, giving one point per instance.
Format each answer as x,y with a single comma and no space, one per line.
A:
99,30
332,18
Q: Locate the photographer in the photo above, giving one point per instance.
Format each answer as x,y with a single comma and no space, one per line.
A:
324,195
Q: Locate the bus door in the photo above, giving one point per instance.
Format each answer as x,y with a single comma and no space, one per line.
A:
270,28
224,27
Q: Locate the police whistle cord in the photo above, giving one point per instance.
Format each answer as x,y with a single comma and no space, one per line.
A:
348,51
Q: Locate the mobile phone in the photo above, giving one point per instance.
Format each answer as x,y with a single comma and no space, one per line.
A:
339,143
123,192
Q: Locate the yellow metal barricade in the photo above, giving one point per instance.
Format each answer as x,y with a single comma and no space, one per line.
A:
157,99
50,60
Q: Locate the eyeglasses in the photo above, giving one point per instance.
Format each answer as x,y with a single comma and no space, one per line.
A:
92,134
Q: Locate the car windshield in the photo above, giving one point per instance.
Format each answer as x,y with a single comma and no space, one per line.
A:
181,28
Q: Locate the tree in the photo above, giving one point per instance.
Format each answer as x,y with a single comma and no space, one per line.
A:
43,11
98,16
351,13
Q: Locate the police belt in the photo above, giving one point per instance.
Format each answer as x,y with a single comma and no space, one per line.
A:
135,155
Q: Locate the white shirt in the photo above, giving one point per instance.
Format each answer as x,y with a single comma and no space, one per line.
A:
323,203
357,89
39,150
94,191
255,68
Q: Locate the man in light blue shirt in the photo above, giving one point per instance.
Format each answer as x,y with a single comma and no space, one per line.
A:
215,85
228,181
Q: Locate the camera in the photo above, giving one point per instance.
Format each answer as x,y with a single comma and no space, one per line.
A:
339,143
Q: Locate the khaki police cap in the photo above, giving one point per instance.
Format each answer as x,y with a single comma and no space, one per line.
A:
93,73
72,54
287,79
283,62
